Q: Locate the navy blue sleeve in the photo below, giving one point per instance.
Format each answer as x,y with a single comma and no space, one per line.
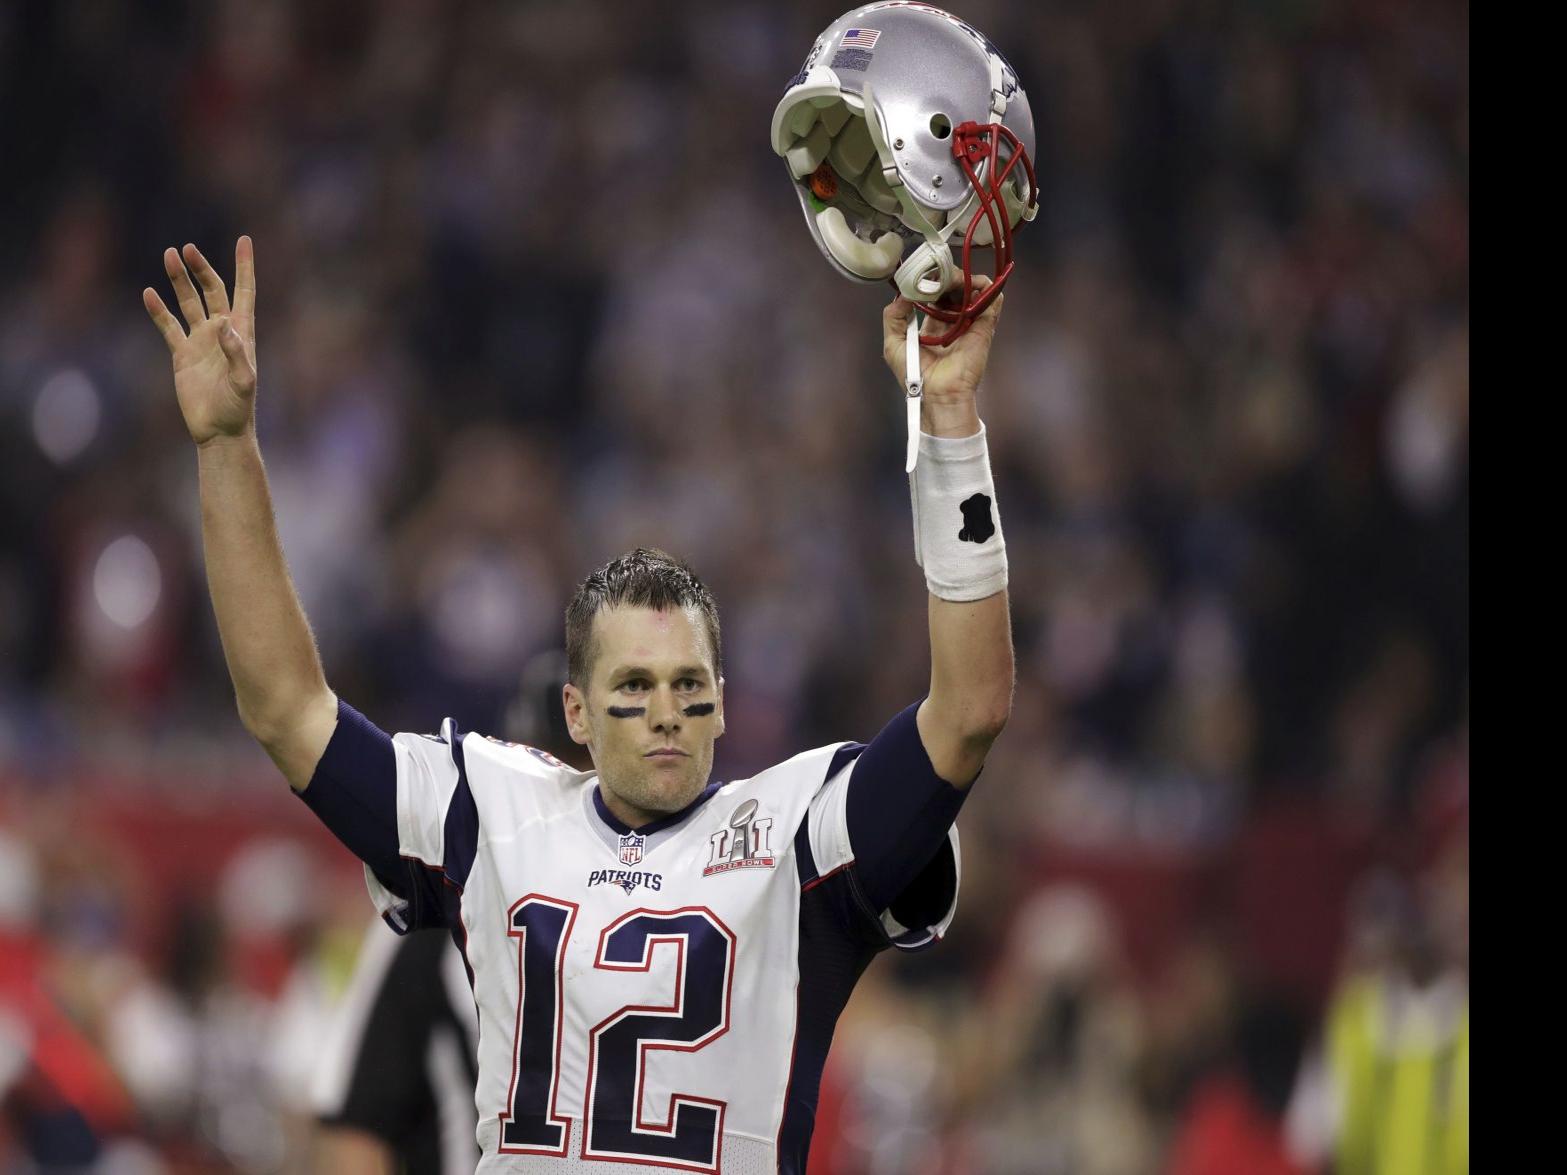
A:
898,812
354,793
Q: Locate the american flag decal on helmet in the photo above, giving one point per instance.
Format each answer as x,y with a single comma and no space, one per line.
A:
860,38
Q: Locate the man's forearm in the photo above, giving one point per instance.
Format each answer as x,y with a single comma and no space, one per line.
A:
971,677
971,658
267,643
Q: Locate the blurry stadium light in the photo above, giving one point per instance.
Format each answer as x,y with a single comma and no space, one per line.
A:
127,581
65,415
19,886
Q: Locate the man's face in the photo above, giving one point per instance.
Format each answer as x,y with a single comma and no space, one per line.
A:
652,708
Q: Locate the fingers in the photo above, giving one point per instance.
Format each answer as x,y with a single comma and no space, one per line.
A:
168,326
189,300
895,317
987,319
241,374
228,338
245,278
211,284
894,329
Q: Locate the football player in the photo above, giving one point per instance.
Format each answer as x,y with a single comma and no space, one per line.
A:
657,958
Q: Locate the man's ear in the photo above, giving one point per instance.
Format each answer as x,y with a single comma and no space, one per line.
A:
720,733
576,706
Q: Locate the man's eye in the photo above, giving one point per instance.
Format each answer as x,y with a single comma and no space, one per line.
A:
689,683
636,685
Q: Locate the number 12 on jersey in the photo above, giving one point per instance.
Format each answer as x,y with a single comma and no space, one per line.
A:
690,1137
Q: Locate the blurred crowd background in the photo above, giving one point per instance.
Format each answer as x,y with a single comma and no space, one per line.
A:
533,290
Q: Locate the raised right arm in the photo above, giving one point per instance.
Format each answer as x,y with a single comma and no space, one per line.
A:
279,685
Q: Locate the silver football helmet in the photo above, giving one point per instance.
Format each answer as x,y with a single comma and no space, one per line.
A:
906,130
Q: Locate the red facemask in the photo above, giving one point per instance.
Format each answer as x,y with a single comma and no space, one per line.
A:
973,145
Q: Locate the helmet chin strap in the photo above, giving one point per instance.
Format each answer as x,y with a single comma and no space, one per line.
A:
934,254
916,390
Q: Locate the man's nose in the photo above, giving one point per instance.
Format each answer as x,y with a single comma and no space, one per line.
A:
662,710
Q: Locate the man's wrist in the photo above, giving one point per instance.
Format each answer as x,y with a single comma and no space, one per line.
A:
957,531
229,442
951,419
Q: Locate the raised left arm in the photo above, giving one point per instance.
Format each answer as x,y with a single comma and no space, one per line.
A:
971,660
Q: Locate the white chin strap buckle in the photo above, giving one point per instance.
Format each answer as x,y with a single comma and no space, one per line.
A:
916,387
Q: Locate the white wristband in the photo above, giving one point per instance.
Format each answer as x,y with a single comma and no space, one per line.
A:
957,531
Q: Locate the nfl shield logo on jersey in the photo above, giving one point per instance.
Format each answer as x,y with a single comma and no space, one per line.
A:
631,848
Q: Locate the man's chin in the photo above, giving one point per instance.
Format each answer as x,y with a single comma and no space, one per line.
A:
669,787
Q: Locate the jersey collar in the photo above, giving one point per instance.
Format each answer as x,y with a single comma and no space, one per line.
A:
621,828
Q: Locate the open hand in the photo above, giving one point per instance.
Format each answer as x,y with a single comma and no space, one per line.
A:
215,364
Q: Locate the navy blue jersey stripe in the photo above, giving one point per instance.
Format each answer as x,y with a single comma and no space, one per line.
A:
460,832
842,757
831,961
805,860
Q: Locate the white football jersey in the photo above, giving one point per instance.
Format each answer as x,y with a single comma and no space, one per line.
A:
662,998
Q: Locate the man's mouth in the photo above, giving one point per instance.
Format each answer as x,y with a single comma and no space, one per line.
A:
666,753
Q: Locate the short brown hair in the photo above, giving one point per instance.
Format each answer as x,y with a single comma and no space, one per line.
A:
643,578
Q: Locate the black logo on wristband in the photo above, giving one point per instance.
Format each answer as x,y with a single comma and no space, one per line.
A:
977,522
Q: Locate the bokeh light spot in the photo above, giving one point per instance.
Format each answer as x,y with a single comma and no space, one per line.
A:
127,582
65,415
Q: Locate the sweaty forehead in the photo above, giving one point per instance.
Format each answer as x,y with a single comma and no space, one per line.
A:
653,638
